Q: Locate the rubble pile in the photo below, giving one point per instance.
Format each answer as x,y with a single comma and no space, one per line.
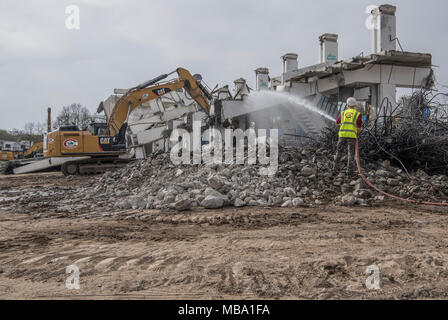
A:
304,178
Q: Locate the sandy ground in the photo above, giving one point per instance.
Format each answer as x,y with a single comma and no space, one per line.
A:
307,253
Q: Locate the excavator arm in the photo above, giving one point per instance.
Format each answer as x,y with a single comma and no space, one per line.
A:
151,90
35,148
195,89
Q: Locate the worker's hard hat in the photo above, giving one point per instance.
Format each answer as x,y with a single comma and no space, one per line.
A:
351,102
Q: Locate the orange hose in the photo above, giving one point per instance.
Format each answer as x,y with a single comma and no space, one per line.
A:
388,194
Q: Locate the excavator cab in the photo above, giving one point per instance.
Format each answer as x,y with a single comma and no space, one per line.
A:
6,154
114,143
98,129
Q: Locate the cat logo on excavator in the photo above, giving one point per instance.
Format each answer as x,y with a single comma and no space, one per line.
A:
162,91
105,140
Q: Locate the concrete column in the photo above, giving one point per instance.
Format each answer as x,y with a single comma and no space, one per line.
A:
240,87
382,95
224,93
290,62
384,32
262,79
328,48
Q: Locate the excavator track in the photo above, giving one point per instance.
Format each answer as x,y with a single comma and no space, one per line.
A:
93,166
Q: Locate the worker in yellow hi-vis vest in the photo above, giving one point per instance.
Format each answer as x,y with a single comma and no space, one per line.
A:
350,124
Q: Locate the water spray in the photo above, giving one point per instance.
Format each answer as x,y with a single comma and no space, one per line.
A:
262,97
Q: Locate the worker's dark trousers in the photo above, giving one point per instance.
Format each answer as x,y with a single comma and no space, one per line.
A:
348,143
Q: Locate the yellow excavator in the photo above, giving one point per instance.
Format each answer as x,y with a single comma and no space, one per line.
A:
102,146
6,152
35,150
6,155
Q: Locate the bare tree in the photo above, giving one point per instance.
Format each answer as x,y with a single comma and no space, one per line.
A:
40,128
29,129
74,114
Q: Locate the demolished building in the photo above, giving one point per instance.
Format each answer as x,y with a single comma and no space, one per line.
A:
372,79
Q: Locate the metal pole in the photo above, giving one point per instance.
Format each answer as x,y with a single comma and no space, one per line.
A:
49,120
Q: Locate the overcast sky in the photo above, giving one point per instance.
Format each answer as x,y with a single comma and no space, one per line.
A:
122,43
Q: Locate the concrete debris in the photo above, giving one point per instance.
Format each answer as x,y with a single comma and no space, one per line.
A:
307,171
297,202
239,203
393,182
348,200
183,204
212,202
287,203
303,179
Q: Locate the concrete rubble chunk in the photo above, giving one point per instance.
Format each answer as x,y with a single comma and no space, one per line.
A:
212,202
297,202
212,192
362,193
168,198
290,192
393,182
382,173
307,171
287,204
239,203
178,173
348,200
216,182
183,204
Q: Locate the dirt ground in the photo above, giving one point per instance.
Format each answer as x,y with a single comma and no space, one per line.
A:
293,253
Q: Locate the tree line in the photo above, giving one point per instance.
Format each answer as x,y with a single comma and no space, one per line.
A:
73,114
